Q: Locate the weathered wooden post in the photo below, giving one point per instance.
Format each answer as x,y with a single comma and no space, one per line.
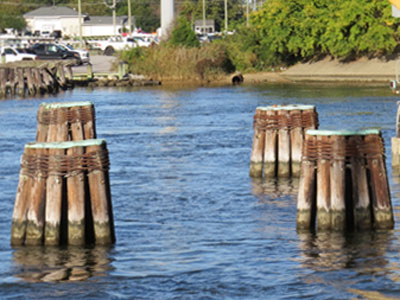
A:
280,130
89,71
77,117
348,168
3,81
21,82
59,179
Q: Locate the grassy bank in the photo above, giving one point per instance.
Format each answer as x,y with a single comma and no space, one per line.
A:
166,62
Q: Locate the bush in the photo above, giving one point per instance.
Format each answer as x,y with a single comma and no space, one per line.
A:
183,35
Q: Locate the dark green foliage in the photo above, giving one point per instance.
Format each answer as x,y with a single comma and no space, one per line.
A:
293,30
10,21
183,34
145,14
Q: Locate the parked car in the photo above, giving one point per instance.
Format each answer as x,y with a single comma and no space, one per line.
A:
83,54
54,51
14,54
108,47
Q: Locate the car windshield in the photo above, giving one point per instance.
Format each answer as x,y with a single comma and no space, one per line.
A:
62,47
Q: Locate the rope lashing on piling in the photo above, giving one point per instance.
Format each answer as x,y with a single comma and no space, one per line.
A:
82,114
45,165
296,119
323,150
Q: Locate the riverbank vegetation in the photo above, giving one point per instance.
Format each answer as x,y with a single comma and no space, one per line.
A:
281,33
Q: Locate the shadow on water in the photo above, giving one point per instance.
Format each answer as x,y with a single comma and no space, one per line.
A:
52,264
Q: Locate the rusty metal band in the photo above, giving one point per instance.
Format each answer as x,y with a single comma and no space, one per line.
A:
295,119
45,165
61,115
314,149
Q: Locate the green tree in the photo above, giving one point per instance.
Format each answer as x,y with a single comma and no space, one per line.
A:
293,30
8,21
183,34
144,12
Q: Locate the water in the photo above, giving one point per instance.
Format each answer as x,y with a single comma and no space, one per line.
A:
190,223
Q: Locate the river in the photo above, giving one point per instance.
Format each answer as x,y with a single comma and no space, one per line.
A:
190,223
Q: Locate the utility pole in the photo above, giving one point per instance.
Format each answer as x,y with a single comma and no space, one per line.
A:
80,21
204,17
247,12
226,16
129,18
114,17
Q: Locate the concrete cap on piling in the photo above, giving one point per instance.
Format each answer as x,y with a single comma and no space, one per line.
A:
66,145
287,107
66,104
343,132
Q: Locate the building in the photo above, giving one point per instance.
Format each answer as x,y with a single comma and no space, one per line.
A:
51,18
200,29
103,25
66,20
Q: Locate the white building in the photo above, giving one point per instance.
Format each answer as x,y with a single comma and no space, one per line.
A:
66,20
200,29
103,25
53,18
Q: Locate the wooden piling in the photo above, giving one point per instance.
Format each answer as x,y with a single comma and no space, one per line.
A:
30,81
57,180
283,127
3,81
307,189
351,178
296,142
256,158
21,82
24,192
338,183
35,213
270,145
381,202
284,167
323,190
77,117
360,193
76,202
100,197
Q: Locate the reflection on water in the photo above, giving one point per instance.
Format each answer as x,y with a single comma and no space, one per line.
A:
52,264
271,188
363,252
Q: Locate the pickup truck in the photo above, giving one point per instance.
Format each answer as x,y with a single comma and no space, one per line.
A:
12,54
108,47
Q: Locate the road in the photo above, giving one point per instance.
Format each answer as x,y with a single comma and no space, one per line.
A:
100,64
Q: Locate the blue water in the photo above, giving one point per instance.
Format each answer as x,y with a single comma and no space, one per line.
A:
190,223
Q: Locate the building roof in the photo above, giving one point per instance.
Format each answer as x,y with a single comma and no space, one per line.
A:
52,11
208,23
107,20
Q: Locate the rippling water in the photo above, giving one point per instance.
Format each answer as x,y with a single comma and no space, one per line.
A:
190,223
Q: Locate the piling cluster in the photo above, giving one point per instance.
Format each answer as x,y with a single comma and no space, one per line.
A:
63,194
31,81
343,182
278,139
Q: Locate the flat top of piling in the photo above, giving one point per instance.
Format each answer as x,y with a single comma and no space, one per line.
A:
343,132
66,104
287,107
66,145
